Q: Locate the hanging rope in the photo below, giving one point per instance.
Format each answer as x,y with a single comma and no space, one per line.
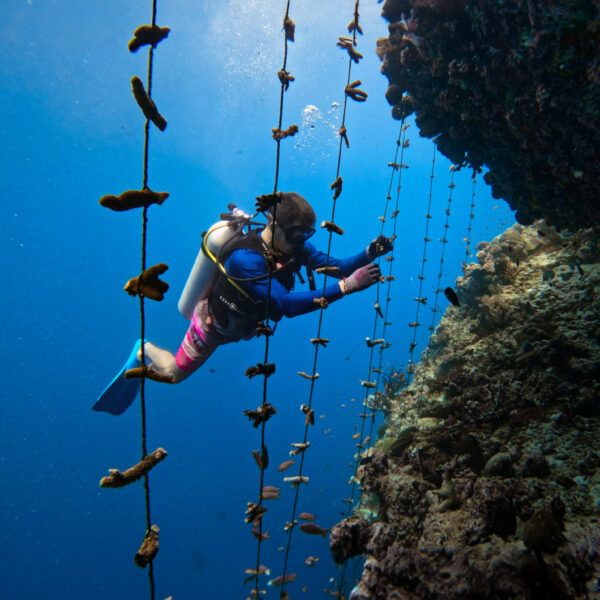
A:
146,285
471,217
142,311
397,165
351,91
415,324
256,511
401,144
443,240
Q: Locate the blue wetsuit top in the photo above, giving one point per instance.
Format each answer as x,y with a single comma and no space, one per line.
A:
284,302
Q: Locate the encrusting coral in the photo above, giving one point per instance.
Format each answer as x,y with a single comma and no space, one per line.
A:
511,85
486,482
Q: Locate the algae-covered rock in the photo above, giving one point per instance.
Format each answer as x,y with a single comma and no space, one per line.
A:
487,482
499,465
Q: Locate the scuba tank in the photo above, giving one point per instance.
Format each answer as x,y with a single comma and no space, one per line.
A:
204,271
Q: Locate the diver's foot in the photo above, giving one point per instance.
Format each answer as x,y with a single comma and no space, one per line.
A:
121,392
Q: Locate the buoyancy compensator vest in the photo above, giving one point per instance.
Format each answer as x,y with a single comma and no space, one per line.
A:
229,301
231,306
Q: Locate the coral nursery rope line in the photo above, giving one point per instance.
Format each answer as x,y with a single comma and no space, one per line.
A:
321,311
142,311
401,144
471,217
444,240
284,88
426,240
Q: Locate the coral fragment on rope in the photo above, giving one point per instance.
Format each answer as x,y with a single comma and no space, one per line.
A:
118,479
261,415
133,199
149,548
146,103
266,369
279,134
148,284
354,92
147,34
332,227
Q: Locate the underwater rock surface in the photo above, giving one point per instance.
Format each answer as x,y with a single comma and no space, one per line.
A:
510,85
486,483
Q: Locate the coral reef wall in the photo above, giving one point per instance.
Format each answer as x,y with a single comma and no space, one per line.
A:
511,85
486,482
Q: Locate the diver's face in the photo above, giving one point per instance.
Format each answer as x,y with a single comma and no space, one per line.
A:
292,236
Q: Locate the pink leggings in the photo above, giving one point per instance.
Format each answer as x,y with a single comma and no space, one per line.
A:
198,343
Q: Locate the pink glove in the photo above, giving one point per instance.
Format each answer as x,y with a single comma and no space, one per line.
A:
361,279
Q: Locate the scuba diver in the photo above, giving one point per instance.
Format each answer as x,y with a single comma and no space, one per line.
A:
227,293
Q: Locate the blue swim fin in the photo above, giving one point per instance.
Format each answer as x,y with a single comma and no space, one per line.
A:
121,392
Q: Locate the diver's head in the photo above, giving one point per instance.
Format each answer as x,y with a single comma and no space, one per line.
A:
293,223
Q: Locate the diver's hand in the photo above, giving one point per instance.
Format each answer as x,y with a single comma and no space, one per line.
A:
361,279
379,246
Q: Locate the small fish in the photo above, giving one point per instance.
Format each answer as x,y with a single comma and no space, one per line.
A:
451,295
286,464
306,516
313,529
282,579
262,570
252,573
270,492
258,535
311,561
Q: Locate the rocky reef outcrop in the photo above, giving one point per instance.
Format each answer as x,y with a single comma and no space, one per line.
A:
512,85
485,482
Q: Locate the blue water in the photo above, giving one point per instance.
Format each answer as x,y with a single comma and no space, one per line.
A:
71,133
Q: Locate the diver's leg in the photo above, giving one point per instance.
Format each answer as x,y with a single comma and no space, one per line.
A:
195,348
163,362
